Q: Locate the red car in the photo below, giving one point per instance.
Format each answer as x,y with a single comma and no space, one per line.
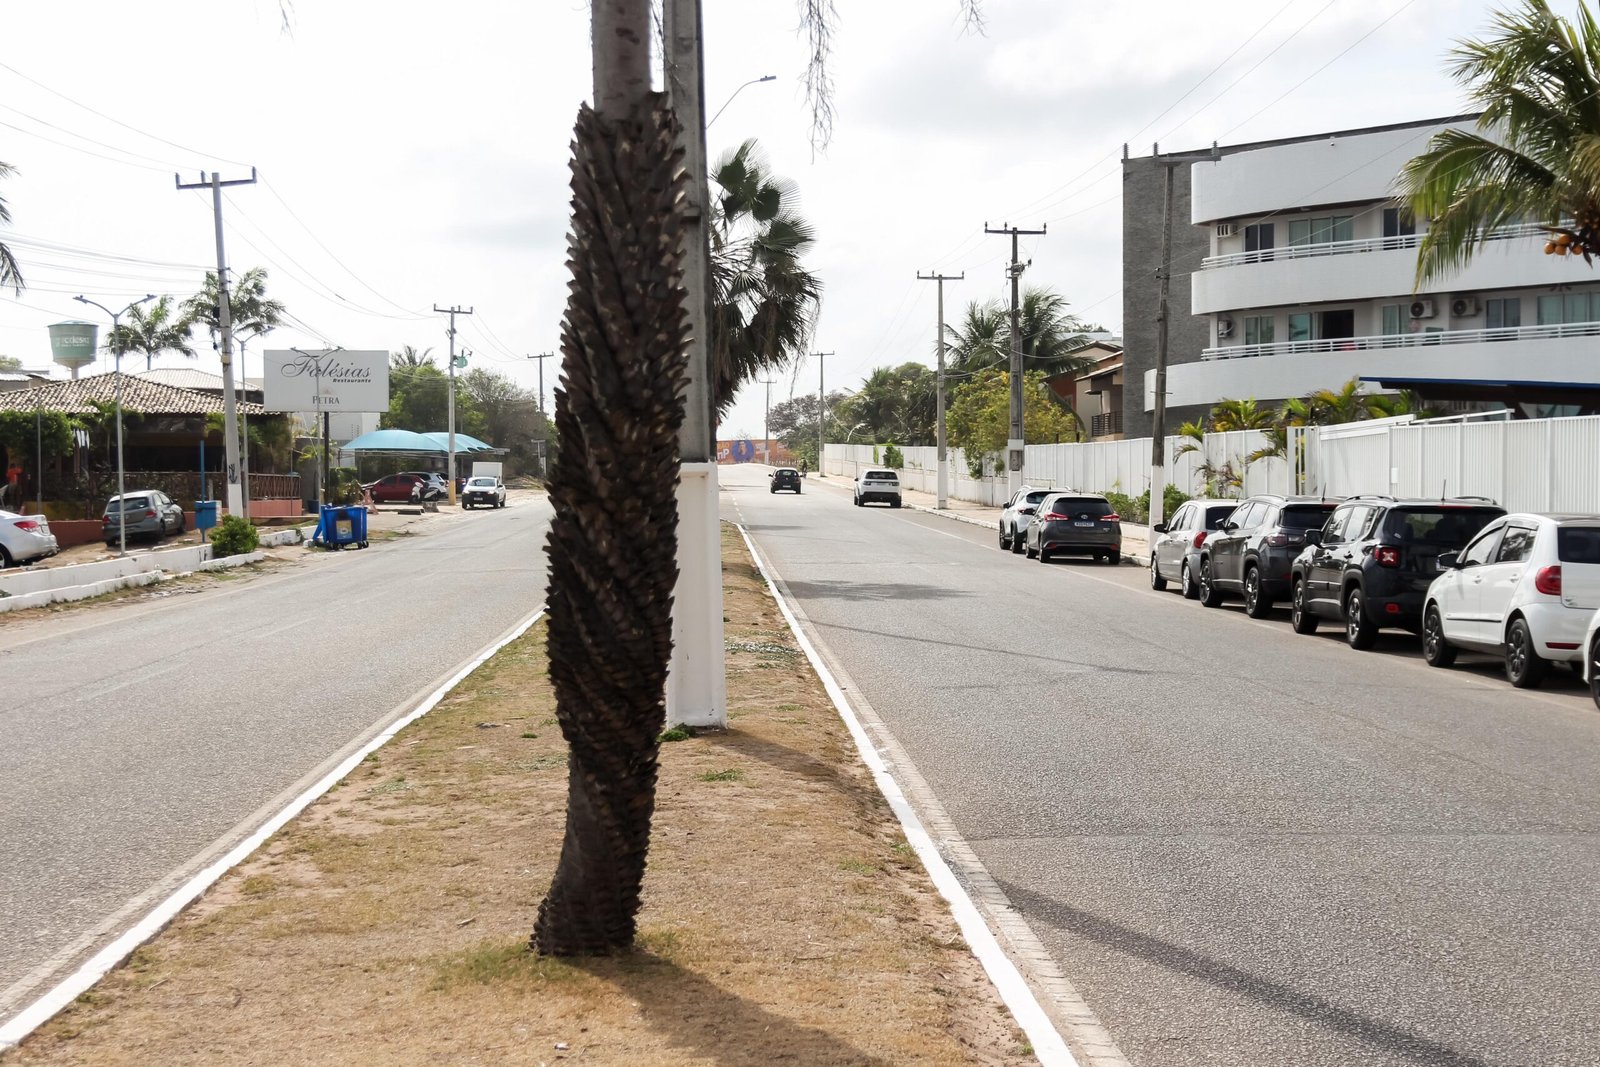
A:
396,488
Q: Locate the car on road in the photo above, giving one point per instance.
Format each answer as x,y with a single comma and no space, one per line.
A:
785,478
1250,554
434,484
877,484
1175,544
146,513
24,538
405,487
1074,524
1018,511
1525,588
1591,657
1372,562
483,490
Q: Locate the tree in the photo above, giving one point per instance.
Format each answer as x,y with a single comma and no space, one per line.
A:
10,273
1051,336
507,414
893,404
1536,150
419,399
979,416
794,422
152,331
764,302
11,363
250,312
408,358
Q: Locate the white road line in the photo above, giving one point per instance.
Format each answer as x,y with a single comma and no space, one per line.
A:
1018,996
66,991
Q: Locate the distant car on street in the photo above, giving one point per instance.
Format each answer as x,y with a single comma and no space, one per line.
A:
24,538
406,487
485,491
146,513
881,485
1015,515
785,478
1077,524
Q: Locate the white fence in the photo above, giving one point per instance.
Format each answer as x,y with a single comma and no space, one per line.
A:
1542,465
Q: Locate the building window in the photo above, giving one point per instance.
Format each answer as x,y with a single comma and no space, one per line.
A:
1322,230
1398,222
1258,329
1258,238
1322,325
1394,319
1302,326
1502,314
1559,308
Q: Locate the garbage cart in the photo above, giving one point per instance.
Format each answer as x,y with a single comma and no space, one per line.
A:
205,515
338,526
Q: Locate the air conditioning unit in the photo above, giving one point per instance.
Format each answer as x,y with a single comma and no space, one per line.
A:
1225,229
1462,307
1422,309
1224,328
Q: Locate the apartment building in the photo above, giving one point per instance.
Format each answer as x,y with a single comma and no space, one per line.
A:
1299,272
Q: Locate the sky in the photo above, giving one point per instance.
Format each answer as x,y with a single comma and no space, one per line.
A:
412,155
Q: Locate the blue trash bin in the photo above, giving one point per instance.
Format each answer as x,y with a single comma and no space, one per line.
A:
205,514
339,526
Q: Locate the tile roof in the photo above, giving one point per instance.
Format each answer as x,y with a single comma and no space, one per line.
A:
191,378
138,394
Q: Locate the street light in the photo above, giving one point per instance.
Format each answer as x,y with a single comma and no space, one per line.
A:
736,92
115,340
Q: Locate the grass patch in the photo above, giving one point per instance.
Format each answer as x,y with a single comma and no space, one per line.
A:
528,735
677,733
729,775
865,867
489,962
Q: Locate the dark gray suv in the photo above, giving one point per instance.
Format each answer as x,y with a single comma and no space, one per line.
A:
1074,523
1250,556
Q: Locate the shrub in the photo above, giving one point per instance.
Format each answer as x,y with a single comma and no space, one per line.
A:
1136,509
892,457
234,536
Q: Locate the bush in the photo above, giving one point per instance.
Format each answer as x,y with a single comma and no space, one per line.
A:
892,457
1136,509
234,536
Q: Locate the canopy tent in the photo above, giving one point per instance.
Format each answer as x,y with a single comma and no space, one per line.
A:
464,442
395,443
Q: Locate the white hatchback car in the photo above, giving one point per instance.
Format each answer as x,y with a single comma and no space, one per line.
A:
24,538
1525,588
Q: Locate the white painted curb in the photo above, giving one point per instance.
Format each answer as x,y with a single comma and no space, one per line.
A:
1048,1045
69,593
40,1011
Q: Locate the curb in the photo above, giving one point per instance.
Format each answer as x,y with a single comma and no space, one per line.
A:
69,593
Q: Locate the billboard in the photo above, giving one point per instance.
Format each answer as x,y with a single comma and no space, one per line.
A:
334,379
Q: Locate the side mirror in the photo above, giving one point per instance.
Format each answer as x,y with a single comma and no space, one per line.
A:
1228,526
1313,537
1159,527
1449,561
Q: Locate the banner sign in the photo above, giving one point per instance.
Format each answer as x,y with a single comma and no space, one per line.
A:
325,380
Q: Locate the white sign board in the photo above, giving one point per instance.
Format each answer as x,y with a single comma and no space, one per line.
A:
325,380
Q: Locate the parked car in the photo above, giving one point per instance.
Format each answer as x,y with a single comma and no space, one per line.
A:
1250,554
1591,658
24,538
1525,588
406,487
484,490
1074,523
785,478
1015,515
434,485
878,485
146,513
1370,566
1176,543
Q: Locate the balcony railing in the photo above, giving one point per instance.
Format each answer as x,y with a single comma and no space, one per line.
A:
1105,425
1345,248
1406,340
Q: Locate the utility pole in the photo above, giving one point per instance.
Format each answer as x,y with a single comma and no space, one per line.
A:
942,500
451,470
766,425
822,412
230,406
1158,419
697,692
1014,271
544,422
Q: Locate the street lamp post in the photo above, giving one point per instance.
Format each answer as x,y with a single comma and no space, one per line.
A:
736,92
117,348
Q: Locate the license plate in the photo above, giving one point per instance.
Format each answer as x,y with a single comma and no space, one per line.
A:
1083,524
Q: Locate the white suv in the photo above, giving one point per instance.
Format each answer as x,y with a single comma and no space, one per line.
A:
878,485
1525,587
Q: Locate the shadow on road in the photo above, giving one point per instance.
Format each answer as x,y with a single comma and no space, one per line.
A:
967,646
1276,995
847,590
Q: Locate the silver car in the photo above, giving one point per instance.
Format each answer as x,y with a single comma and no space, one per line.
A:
1175,544
1015,515
1075,523
147,513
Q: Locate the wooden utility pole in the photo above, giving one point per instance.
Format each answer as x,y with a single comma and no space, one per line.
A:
944,467
1014,271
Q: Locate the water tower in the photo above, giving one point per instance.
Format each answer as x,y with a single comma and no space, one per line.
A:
72,344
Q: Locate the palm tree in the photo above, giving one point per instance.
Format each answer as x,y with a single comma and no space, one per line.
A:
10,273
250,312
1536,151
1229,415
1051,335
409,359
1345,404
151,331
764,302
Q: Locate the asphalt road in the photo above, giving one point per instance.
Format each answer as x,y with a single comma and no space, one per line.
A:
138,741
1243,846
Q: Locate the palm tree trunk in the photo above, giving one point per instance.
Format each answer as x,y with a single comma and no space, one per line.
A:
613,539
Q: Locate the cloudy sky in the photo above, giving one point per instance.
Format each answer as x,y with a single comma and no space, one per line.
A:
415,154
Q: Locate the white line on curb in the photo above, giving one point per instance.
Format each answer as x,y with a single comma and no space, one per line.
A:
67,990
1047,1042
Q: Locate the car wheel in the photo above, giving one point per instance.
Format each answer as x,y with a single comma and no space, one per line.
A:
1019,539
857,502
1157,582
1358,629
1191,590
1594,671
1436,651
1300,619
5,558
1005,542
895,502
1255,605
1044,554
1523,665
1028,550
1210,596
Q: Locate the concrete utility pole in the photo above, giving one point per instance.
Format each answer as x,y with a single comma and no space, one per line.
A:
697,693
1014,271
766,425
544,422
944,466
230,408
450,473
822,412
1158,419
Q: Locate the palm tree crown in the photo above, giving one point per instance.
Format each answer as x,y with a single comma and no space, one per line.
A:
1051,335
152,332
251,312
10,273
1536,151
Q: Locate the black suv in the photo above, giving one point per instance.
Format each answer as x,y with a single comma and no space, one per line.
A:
1371,565
1250,555
785,478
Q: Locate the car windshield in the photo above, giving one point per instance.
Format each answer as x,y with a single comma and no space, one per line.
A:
887,476
489,482
1216,516
1079,507
1305,518
1443,527
1578,544
1034,498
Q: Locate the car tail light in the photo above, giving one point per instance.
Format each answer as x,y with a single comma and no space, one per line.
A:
1056,515
27,524
1278,540
1387,555
1200,538
1548,581
149,514
1113,517
105,520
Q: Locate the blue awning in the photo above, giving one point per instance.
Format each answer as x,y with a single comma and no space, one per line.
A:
396,442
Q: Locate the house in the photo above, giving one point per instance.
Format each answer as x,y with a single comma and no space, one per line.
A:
1096,393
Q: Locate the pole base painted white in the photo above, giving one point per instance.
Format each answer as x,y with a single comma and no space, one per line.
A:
943,500
1158,497
697,690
